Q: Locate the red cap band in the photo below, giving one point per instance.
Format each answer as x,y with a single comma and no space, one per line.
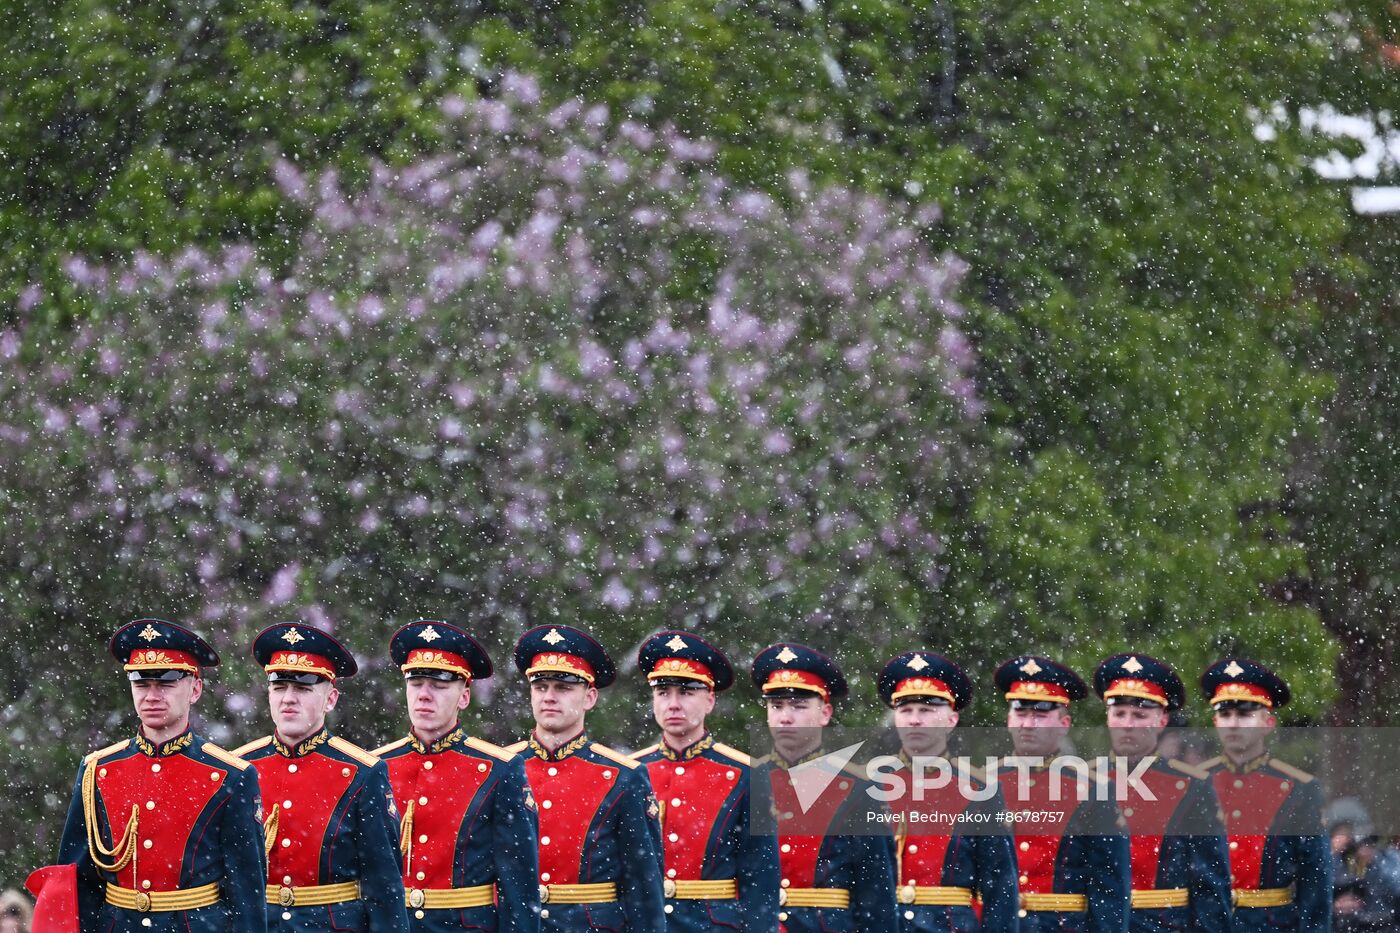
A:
161,659
557,662
796,680
1248,693
1038,691
300,662
436,660
1133,687
681,668
922,687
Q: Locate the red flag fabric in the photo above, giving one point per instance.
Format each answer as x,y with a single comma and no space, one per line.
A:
55,890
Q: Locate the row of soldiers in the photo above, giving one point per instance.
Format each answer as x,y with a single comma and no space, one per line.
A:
304,831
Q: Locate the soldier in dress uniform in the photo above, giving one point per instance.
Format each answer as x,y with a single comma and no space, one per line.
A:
600,840
163,827
331,830
1280,863
1180,866
940,873
831,880
719,873
469,834
1074,867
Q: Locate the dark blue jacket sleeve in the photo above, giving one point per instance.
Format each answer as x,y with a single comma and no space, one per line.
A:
1208,868
995,873
381,884
1314,865
639,845
873,907
758,871
244,884
73,850
517,852
1109,880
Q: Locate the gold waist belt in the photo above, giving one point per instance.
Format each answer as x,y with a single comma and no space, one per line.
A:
181,899
578,893
1068,903
931,896
482,895
1161,897
814,897
726,889
313,895
1263,897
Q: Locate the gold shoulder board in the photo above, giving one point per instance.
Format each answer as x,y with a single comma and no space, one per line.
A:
109,750
252,746
353,750
641,753
1302,777
615,756
730,751
518,747
381,750
1199,774
495,751
227,758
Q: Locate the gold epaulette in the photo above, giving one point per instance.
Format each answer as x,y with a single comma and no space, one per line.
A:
1302,777
252,746
515,748
615,756
353,750
730,751
1211,763
1198,773
641,753
104,752
495,751
228,758
384,749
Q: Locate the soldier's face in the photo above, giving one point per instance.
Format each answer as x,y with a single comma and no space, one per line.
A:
299,710
681,711
1135,730
559,707
923,727
433,705
796,724
1037,733
1244,733
162,706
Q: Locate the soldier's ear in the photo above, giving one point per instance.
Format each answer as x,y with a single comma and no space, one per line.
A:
466,699
197,690
331,697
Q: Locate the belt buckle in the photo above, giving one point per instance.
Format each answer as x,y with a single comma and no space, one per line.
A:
416,898
143,902
544,894
668,887
782,897
287,896
906,894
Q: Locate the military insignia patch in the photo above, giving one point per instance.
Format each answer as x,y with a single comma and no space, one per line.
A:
1032,668
786,656
258,813
653,807
530,800
1234,669
393,807
1132,665
676,643
291,636
148,633
429,634
917,663
553,637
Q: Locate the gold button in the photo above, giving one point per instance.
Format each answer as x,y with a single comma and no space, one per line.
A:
544,840
552,772
286,879
913,849
286,805
782,915
147,844
422,801
785,883
1283,785
1235,815
675,801
102,772
481,767
146,885
423,838
1020,913
420,876
786,847
1025,847
150,804
674,837
544,876
544,914
1180,785
286,843
669,908
607,775
680,769
213,775
729,775
344,772
670,873
292,769
155,768
418,915
546,804
1234,844
1127,811
844,785
1239,783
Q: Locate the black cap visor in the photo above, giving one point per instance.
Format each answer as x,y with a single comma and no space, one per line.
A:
306,680
432,674
165,677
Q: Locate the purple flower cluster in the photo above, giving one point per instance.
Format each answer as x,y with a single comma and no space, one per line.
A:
561,369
